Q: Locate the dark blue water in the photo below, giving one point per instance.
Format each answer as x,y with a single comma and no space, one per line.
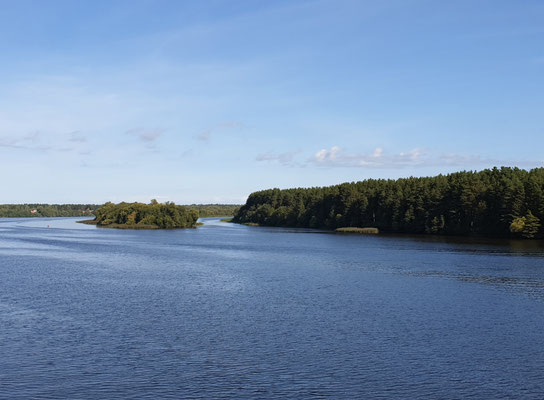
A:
235,312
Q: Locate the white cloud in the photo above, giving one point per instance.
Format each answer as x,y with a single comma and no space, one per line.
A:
324,156
417,157
337,157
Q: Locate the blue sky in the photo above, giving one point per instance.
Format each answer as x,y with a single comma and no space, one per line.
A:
208,101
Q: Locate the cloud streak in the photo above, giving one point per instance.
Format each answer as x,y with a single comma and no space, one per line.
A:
206,135
77,137
287,158
40,141
336,156
146,135
29,142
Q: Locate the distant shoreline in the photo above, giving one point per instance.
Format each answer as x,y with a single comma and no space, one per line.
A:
122,226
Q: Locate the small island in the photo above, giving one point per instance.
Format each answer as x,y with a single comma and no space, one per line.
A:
144,216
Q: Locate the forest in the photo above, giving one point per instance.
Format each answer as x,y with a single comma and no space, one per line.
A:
215,210
82,210
504,202
46,210
145,216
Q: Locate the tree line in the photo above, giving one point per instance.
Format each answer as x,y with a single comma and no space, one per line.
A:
82,210
46,210
505,202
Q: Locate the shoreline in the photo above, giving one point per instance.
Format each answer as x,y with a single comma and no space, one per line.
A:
133,227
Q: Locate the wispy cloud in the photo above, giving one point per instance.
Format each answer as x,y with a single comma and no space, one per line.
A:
33,137
77,137
146,135
336,156
29,142
39,141
206,135
287,158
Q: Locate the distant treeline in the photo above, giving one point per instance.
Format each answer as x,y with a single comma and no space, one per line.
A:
215,210
46,210
81,210
145,216
507,202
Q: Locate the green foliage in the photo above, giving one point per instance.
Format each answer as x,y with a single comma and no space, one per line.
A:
130,217
215,210
145,216
517,225
46,210
527,226
532,225
488,202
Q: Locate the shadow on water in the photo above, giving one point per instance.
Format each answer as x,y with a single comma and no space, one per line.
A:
469,244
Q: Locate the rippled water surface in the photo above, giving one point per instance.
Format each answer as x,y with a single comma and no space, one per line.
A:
237,312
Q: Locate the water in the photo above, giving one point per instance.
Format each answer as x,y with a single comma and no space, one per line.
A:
235,312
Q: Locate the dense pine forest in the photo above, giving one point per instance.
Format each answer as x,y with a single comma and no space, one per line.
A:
145,216
506,202
46,210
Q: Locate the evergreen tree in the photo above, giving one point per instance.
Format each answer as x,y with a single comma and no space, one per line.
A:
490,202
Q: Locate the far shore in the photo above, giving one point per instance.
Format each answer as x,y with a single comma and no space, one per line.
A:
125,226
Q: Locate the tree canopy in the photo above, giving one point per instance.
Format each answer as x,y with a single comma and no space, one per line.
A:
46,210
507,202
145,216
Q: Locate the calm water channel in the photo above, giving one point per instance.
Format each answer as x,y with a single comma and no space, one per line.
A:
235,312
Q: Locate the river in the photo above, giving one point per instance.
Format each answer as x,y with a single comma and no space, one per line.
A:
227,311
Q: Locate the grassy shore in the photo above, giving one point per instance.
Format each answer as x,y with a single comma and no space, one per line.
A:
363,231
230,219
87,222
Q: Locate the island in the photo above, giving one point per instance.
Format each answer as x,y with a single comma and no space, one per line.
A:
498,202
154,215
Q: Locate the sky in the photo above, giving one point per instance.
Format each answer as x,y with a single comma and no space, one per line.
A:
208,101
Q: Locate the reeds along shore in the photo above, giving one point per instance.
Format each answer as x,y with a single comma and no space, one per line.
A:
364,231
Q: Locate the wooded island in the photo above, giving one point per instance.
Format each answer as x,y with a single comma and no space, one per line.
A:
144,216
83,210
505,202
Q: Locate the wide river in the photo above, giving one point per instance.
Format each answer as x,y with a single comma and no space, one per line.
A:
235,312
